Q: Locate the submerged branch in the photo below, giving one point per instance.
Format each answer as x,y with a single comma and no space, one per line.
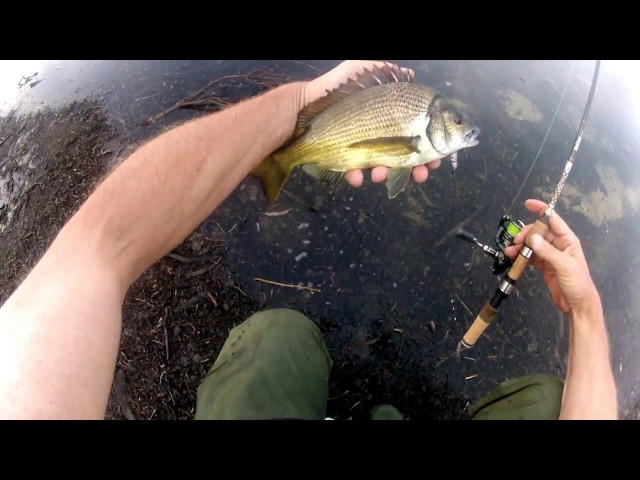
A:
208,99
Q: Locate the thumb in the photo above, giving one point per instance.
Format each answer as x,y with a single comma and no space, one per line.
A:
546,251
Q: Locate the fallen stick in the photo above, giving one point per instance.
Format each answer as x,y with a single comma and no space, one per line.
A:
288,285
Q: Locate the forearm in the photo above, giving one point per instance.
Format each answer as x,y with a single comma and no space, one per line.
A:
589,391
160,194
60,330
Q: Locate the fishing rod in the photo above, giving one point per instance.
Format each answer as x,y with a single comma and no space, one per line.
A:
508,228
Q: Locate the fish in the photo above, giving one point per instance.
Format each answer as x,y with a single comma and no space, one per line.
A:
379,118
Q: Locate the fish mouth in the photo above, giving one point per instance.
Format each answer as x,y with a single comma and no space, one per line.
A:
471,137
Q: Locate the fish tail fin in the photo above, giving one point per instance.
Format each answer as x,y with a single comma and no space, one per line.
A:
273,174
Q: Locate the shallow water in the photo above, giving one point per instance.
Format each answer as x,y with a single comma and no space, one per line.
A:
390,268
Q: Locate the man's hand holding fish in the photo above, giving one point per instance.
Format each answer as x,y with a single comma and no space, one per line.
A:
368,115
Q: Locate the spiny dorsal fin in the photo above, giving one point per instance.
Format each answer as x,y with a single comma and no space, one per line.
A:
388,73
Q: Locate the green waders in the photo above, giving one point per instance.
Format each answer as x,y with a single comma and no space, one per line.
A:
275,365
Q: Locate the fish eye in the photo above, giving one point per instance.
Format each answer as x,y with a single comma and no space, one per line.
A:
458,119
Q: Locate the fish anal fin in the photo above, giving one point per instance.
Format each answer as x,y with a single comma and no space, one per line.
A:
322,174
397,180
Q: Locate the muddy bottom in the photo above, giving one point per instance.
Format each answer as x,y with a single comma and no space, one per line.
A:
177,316
395,292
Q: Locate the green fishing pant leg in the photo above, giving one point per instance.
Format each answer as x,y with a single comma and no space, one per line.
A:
386,412
532,397
274,365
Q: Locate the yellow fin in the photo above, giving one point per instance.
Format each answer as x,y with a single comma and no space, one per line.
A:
397,146
388,73
273,175
397,180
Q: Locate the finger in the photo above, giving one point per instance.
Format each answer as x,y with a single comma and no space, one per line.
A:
434,165
519,239
524,233
536,206
512,251
537,263
379,174
563,232
547,252
420,173
355,178
556,224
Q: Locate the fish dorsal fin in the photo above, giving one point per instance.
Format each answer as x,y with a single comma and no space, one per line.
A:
388,73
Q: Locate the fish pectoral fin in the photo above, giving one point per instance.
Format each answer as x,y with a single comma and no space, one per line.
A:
396,146
397,180
322,174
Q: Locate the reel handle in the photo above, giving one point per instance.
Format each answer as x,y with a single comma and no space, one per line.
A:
466,236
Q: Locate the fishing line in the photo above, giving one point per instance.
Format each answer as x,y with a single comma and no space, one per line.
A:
459,74
507,232
576,144
564,91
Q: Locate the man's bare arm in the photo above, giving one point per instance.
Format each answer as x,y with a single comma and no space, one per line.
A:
589,389
60,330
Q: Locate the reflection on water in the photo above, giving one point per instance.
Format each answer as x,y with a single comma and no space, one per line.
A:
390,268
